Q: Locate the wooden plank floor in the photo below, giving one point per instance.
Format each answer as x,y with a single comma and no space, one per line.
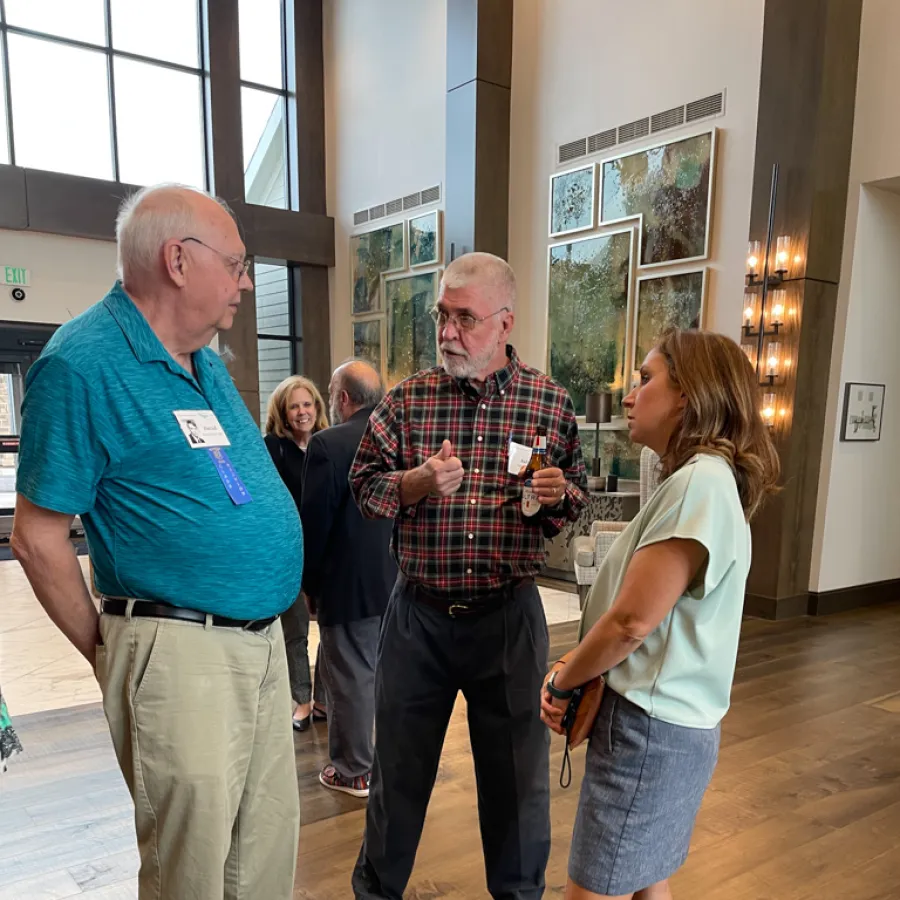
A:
805,804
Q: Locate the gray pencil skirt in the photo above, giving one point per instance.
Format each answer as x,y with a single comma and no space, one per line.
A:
643,784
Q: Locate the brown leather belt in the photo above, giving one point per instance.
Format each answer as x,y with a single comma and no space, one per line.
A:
474,606
149,610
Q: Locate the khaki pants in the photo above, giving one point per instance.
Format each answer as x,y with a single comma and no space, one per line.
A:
201,722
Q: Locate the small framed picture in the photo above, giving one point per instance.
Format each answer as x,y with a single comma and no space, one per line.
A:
863,410
425,240
572,200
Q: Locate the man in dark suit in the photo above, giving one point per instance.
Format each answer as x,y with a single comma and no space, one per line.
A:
348,576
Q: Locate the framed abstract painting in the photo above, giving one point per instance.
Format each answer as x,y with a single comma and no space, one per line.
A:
368,340
572,200
411,333
425,240
666,301
669,186
372,255
589,287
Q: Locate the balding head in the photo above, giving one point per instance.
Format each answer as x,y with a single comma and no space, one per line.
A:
355,385
182,261
492,276
157,214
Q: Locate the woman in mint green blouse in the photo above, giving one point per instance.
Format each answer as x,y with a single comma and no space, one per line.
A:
663,618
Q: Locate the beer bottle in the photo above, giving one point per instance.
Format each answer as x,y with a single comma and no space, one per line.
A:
531,506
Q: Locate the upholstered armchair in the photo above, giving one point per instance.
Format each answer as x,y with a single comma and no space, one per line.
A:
590,550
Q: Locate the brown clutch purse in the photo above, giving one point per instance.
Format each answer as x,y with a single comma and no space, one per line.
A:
586,701
578,721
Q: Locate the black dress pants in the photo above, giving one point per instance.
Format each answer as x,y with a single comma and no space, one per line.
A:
498,659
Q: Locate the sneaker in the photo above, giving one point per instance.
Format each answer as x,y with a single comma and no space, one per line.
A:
356,787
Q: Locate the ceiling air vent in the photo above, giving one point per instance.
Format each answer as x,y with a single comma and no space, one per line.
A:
394,206
706,107
634,130
361,217
431,195
573,150
670,118
602,141
376,212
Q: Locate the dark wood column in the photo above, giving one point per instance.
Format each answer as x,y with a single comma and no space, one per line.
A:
806,109
479,76
306,124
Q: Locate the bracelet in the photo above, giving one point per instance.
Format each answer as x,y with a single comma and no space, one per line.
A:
556,692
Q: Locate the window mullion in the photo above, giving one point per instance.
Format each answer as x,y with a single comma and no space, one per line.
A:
110,68
8,88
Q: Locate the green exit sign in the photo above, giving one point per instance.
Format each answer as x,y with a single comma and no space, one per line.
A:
14,276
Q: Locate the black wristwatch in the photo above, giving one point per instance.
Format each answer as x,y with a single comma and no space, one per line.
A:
556,692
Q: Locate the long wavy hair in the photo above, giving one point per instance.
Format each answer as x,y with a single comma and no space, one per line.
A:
276,411
722,414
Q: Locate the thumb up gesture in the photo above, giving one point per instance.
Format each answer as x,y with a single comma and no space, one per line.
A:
445,471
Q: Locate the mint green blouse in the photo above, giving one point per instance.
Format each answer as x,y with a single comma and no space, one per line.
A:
684,670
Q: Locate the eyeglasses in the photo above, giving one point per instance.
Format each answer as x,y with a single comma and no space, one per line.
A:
463,321
240,266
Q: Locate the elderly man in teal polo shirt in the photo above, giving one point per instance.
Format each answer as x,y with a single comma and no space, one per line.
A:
132,422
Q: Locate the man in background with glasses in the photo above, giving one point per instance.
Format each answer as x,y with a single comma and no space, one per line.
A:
132,422
465,614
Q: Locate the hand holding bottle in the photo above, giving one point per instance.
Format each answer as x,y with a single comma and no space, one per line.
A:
549,485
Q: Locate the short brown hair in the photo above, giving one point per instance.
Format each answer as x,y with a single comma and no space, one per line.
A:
276,411
722,414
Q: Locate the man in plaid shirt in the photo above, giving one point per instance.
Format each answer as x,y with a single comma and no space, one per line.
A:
465,613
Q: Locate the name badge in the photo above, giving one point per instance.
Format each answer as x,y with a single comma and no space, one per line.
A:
230,478
201,428
519,457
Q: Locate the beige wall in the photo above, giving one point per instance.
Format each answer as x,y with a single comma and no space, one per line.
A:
582,66
858,517
67,275
385,107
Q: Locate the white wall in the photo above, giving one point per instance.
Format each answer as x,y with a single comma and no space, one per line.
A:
67,275
385,107
582,66
858,516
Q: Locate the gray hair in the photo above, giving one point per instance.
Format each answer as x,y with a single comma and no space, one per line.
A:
149,218
485,269
361,391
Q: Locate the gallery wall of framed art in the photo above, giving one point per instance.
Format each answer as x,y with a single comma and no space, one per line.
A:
628,234
395,274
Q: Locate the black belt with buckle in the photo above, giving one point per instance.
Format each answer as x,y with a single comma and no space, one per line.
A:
475,606
147,609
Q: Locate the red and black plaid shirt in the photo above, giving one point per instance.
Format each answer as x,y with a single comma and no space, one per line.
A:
477,539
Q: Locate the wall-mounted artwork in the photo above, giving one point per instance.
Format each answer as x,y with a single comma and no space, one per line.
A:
425,240
863,410
367,341
589,287
572,201
372,255
666,301
670,187
411,334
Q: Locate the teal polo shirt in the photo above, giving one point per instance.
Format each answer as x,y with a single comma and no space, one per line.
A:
100,440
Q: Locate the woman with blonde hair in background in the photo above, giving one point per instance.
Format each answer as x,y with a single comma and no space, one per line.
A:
295,413
663,619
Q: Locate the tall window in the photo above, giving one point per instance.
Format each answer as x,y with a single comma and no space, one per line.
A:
279,329
264,99
109,89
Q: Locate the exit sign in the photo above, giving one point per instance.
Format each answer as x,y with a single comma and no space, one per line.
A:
13,276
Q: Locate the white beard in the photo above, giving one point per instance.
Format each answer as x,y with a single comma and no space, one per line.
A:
467,366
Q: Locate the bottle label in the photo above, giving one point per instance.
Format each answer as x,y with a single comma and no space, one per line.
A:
531,506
